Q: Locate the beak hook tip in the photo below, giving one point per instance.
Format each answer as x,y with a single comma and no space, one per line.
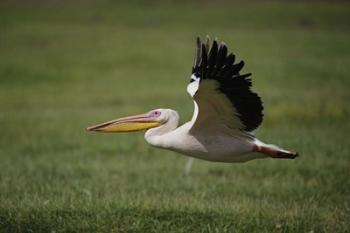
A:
89,128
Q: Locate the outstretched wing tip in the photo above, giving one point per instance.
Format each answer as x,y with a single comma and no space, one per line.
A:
198,40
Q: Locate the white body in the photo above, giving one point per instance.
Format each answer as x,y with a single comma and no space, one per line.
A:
223,145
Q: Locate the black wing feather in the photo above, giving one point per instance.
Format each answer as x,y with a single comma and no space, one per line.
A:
221,56
204,62
212,58
216,64
230,59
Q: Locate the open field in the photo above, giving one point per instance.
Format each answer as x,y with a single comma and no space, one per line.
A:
66,67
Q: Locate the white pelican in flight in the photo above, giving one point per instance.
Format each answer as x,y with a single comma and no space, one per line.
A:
226,111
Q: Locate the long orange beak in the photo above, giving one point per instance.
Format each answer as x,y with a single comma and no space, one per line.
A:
127,124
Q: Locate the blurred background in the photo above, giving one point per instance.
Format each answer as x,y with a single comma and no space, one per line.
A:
65,65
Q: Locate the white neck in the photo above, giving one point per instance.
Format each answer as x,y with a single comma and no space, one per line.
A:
155,136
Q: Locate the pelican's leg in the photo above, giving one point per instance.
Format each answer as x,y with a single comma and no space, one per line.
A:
188,166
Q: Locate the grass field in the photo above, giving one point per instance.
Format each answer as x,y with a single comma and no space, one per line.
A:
67,66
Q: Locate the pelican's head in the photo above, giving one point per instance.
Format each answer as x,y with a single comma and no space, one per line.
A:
147,120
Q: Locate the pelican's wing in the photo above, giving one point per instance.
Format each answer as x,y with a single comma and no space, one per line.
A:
222,95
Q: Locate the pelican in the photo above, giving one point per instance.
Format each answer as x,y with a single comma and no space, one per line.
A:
226,112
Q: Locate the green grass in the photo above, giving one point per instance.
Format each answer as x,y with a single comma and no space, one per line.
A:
69,66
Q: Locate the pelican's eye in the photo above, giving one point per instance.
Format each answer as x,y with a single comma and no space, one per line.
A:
156,113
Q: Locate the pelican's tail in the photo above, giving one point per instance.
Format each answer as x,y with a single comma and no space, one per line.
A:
274,151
